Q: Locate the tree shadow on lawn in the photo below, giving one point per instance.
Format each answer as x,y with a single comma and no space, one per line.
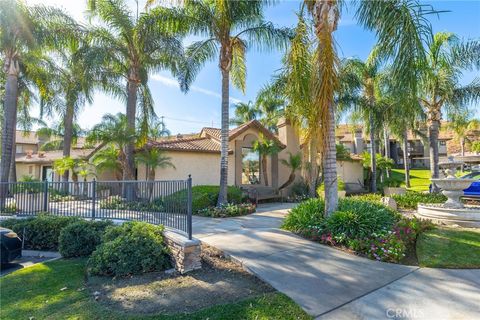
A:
220,281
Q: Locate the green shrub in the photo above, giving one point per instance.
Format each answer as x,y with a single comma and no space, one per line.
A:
228,210
119,203
80,239
411,199
202,198
132,248
321,187
41,232
358,219
355,219
372,197
299,189
306,216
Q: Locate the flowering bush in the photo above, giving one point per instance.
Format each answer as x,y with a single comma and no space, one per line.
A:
228,210
389,248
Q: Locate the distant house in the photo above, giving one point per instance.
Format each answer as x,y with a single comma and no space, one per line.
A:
196,154
353,138
199,155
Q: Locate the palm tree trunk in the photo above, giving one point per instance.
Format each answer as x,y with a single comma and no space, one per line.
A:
433,129
264,169
405,159
387,146
462,146
67,136
330,166
222,196
8,128
313,168
373,163
150,179
13,166
128,173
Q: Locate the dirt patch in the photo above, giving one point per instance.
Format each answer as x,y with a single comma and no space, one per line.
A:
220,281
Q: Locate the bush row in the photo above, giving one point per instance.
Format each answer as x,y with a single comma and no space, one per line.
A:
133,247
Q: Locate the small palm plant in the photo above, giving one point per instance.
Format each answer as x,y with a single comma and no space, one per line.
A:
84,169
265,148
152,159
294,163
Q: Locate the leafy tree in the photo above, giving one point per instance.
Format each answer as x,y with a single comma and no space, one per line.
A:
294,163
54,135
265,147
229,28
447,58
131,46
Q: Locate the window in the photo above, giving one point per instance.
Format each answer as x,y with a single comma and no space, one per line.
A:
442,142
250,166
18,149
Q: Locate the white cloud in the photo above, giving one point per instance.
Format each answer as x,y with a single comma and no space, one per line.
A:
169,82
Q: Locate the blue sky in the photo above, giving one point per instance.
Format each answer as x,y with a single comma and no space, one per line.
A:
200,107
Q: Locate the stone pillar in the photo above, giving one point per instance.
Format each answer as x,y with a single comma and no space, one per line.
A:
184,253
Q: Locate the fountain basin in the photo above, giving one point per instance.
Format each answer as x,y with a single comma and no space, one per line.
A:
468,216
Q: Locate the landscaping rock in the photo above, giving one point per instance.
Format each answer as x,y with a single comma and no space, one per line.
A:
389,202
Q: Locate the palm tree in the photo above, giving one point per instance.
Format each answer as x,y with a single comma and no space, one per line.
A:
74,76
108,159
113,131
294,163
230,28
271,106
363,81
245,112
402,30
461,125
54,134
84,169
265,148
440,83
26,32
130,47
153,158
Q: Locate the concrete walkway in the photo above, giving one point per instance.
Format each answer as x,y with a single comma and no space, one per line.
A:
331,284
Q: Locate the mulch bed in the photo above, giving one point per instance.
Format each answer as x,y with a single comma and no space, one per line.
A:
220,281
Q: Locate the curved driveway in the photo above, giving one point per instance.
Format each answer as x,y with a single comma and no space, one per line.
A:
331,284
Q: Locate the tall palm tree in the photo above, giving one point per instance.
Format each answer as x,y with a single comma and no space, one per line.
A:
402,30
74,79
26,31
265,148
131,46
229,28
363,81
441,90
271,105
245,112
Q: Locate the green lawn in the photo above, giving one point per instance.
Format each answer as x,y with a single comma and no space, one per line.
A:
419,178
36,293
449,248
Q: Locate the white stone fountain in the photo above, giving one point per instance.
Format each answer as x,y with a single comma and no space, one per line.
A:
453,211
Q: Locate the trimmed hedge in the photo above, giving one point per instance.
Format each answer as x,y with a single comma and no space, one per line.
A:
411,199
131,248
202,198
41,232
80,239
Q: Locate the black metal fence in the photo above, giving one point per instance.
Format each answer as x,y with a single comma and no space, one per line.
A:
158,202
